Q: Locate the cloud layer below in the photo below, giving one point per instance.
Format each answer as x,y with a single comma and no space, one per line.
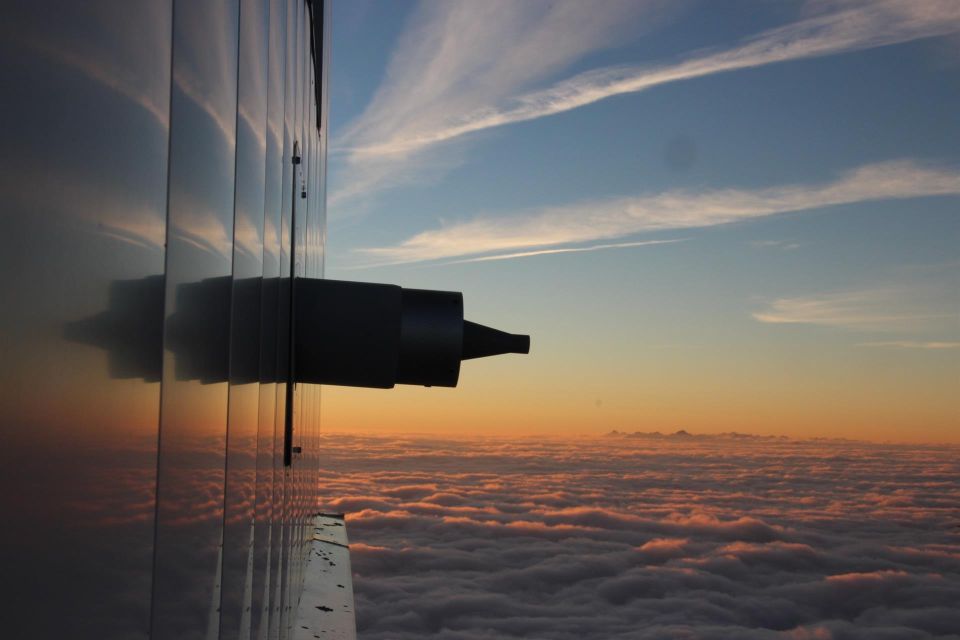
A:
649,537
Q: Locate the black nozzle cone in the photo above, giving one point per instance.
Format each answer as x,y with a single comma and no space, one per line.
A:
480,341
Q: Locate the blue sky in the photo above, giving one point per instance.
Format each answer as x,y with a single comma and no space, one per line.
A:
749,208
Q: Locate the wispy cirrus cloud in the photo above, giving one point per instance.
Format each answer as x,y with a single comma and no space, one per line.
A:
912,344
541,229
466,67
888,309
540,252
775,244
455,58
594,247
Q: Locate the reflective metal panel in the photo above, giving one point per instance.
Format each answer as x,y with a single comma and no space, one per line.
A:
152,222
267,536
186,595
300,219
266,430
283,484
315,239
83,169
243,413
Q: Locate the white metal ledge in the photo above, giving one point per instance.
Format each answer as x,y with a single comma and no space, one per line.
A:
326,606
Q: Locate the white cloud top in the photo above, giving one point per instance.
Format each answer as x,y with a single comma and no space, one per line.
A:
627,537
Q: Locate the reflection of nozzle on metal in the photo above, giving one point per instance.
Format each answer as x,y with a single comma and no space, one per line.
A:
353,334
379,335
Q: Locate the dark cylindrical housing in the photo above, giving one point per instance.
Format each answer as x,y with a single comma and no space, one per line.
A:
348,333
378,335
431,338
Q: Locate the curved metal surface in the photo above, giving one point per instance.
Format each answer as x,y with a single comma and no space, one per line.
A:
193,415
83,168
245,330
148,199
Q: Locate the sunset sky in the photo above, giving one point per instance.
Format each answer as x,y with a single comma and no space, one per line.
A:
737,216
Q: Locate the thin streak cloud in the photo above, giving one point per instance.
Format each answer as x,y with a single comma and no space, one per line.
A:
543,252
616,218
893,309
912,344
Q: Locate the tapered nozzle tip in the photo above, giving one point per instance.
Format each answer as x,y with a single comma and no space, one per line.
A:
480,341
